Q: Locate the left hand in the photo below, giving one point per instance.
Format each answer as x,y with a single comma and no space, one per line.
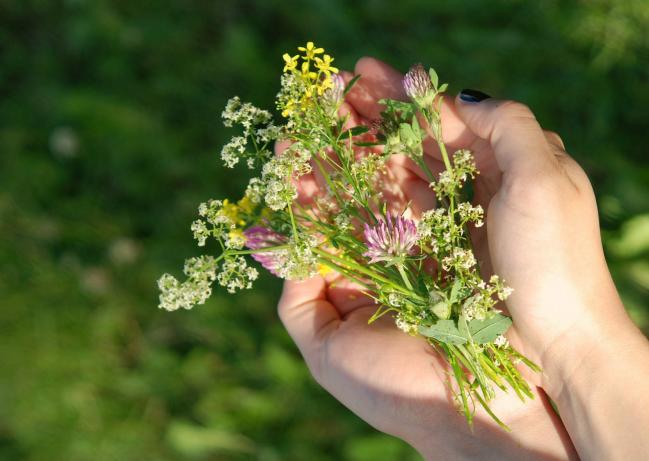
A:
396,382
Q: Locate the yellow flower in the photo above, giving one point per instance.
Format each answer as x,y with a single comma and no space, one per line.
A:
236,235
231,211
290,62
307,73
289,107
325,85
245,205
324,65
324,270
310,50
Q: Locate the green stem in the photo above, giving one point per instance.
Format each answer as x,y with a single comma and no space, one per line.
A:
404,276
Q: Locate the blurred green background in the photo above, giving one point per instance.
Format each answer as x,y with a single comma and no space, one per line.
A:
109,138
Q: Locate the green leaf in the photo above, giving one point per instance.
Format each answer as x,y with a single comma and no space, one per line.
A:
455,291
444,331
463,327
406,133
433,77
442,309
351,83
368,144
485,331
416,128
442,88
355,131
407,109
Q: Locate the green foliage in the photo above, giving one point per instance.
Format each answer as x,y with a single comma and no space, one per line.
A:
109,136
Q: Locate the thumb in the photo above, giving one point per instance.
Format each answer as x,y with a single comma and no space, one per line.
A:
515,136
309,318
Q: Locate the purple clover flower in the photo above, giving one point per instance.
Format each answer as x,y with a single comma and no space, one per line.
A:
417,82
259,237
391,239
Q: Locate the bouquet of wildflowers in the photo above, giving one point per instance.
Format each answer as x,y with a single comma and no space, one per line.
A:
420,269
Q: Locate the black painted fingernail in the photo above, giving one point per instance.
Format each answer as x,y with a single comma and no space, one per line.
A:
468,95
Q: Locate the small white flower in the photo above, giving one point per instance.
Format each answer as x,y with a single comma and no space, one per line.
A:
501,341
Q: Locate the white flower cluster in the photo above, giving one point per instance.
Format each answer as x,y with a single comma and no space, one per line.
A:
499,288
366,169
255,191
403,324
256,125
434,229
298,261
278,174
200,273
232,152
470,213
464,165
501,341
459,259
343,222
244,114
481,304
236,274
214,222
450,181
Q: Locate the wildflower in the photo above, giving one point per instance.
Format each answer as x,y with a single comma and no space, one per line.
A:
236,274
464,165
404,325
459,259
470,213
418,85
200,231
255,191
290,62
390,240
310,50
324,65
259,237
343,222
445,185
232,152
175,295
501,341
324,270
244,114
308,74
278,173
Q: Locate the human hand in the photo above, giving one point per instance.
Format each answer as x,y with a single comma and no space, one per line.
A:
394,381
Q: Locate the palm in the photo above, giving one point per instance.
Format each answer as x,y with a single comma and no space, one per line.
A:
394,381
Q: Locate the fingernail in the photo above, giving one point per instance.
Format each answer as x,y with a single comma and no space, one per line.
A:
468,95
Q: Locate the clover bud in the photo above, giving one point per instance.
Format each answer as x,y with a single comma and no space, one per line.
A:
418,85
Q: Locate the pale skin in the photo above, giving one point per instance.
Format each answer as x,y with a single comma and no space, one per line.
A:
542,236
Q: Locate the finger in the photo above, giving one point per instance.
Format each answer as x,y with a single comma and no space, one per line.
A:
554,139
308,316
416,190
381,81
378,81
346,295
519,145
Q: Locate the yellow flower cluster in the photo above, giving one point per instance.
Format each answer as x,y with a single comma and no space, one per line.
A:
313,71
238,213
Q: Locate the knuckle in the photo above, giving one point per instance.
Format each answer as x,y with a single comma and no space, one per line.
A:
538,188
554,138
510,109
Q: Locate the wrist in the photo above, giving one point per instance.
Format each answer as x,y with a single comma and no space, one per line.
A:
587,350
599,388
